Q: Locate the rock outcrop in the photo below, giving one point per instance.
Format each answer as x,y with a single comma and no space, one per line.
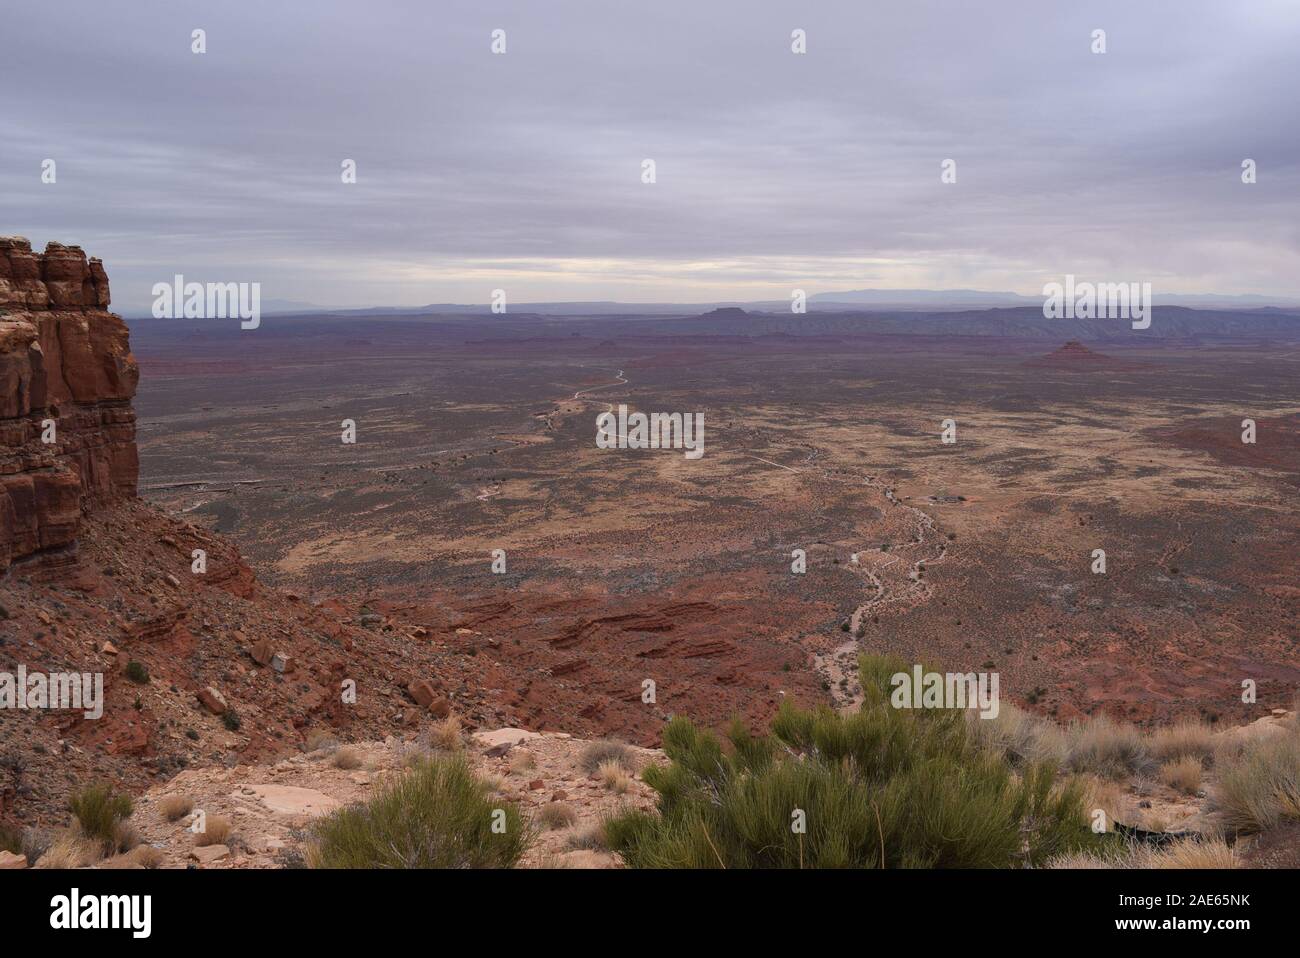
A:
67,429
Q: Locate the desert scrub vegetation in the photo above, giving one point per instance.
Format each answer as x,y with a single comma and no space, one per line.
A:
1182,774
1184,740
1108,748
614,777
101,816
447,735
1020,736
320,740
175,807
882,787
557,815
346,758
603,751
434,815
1259,786
216,831
1211,853
11,839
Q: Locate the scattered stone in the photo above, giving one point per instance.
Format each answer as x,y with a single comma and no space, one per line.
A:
423,692
212,700
8,860
505,736
536,785
262,652
109,649
207,854
282,663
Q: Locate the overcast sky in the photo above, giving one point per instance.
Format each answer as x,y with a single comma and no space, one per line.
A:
775,170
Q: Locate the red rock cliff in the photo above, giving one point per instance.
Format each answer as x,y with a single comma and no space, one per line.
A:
63,357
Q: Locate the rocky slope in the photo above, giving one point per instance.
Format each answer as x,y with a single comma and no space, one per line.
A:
200,666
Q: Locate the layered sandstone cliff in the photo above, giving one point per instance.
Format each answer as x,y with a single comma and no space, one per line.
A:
64,361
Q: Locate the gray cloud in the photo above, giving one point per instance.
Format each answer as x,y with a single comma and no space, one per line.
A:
522,170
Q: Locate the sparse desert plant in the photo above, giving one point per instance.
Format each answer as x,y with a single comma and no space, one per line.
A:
137,673
1257,789
11,838
435,815
1206,854
142,856
1195,739
1020,736
216,831
591,838
146,856
446,735
1108,748
100,812
614,776
1183,774
231,720
346,758
599,752
1210,853
175,807
522,762
881,787
320,740
1109,797
557,815
72,850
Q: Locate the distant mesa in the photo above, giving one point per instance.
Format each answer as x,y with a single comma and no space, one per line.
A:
1074,355
725,312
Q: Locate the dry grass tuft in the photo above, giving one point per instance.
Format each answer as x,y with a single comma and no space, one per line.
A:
1258,788
216,831
614,776
522,762
1183,774
175,807
1107,748
346,758
606,750
557,815
321,740
1194,739
447,735
592,838
72,850
1187,854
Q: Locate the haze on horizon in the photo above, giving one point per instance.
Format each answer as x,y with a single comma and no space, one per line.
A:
774,170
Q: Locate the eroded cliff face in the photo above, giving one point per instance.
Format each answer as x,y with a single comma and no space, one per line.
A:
64,359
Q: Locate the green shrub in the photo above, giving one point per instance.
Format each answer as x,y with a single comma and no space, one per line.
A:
137,673
435,815
882,787
231,720
100,812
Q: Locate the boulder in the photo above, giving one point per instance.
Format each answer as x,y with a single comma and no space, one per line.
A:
212,700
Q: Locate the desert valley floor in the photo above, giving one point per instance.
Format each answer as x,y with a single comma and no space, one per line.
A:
477,434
